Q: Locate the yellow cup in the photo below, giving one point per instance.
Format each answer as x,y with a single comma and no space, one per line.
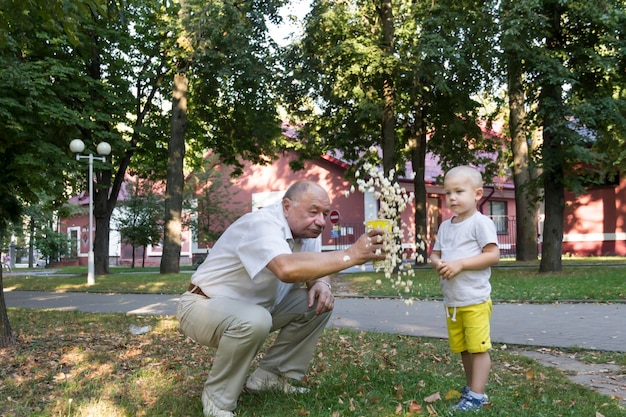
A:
383,224
387,227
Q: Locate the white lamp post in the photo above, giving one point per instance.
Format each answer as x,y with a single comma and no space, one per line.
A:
104,149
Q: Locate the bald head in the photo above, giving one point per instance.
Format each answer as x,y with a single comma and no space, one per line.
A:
471,175
301,188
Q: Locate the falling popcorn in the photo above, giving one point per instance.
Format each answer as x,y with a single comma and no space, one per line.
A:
392,201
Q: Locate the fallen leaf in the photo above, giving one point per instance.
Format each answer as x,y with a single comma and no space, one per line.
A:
433,397
431,410
352,405
415,407
398,408
304,412
452,395
399,391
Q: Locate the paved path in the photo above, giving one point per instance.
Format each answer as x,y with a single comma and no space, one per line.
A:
585,325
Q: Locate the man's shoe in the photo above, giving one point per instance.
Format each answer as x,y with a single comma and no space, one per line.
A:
262,380
211,410
468,403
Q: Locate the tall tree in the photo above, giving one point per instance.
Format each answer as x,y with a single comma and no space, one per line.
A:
574,71
515,36
338,82
134,55
172,233
227,64
40,90
388,121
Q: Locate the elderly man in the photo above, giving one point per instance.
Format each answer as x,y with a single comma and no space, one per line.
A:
251,285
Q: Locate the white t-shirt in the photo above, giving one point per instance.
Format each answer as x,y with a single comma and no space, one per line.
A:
464,240
236,265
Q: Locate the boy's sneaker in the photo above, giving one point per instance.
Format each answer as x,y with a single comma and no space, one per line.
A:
468,403
466,390
209,409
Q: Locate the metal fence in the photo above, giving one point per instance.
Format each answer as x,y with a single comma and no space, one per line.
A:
506,228
345,234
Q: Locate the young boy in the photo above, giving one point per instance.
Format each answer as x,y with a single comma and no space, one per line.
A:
465,249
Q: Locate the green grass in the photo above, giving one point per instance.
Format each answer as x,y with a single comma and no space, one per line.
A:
81,364
588,279
123,280
598,283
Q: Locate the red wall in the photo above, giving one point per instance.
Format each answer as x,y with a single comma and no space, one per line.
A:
594,222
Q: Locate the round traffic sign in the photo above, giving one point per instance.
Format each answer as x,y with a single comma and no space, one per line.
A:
334,217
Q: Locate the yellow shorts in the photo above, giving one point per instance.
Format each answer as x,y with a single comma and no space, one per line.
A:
471,330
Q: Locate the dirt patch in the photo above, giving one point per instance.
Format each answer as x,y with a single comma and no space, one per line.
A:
607,379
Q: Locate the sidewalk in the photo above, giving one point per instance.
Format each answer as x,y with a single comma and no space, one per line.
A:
584,325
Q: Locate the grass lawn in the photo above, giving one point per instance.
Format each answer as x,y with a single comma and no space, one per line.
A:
509,284
82,364
589,279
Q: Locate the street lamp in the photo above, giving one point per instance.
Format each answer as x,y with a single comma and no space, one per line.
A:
104,149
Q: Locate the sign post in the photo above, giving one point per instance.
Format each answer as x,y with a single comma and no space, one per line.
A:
334,219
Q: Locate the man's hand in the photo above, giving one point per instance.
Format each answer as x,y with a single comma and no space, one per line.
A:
368,247
321,292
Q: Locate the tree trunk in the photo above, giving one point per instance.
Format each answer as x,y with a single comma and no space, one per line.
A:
554,131
172,239
525,197
388,117
31,243
417,144
102,219
6,334
552,248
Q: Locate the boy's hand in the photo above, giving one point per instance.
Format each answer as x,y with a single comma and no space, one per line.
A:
448,270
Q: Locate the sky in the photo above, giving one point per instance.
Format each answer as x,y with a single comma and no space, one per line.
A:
282,33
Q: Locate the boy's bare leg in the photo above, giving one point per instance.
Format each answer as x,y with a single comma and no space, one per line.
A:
477,367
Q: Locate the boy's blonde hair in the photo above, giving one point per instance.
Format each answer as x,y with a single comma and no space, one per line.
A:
469,172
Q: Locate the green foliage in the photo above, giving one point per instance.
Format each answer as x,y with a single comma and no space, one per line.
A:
52,244
40,92
232,71
140,216
442,58
584,65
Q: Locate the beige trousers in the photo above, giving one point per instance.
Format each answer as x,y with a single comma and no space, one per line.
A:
238,331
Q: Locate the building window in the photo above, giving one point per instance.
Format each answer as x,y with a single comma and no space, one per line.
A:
497,212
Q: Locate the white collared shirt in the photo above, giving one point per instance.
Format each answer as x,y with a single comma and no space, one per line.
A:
236,267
